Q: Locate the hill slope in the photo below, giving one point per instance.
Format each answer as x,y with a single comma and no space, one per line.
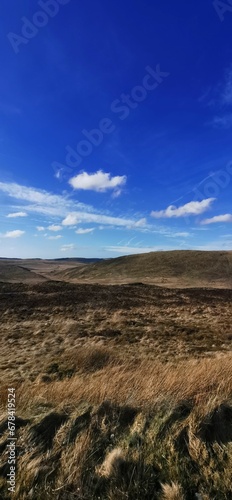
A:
14,273
187,267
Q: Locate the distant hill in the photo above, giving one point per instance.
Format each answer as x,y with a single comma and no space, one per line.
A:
187,267
37,270
16,273
77,259
177,268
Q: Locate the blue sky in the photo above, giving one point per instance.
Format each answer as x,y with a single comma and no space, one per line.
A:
115,132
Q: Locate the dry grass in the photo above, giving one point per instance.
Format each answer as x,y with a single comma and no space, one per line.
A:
137,431
170,268
119,392
172,492
145,384
113,464
46,328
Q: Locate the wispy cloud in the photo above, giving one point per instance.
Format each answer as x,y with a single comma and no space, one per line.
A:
55,227
218,218
223,102
191,208
140,223
55,237
13,234
68,247
180,235
40,228
99,182
84,231
126,250
78,217
42,201
17,214
72,212
224,121
29,194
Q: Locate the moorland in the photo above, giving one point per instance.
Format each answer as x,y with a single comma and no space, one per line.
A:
122,370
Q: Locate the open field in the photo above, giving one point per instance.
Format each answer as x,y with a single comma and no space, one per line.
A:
45,322
123,387
122,391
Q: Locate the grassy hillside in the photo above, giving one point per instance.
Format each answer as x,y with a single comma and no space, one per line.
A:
187,265
36,270
17,273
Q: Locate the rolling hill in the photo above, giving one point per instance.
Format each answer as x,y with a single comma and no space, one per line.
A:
171,268
15,273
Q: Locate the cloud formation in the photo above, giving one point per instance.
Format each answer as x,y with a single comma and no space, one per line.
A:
126,250
74,218
72,212
191,208
55,227
13,234
42,201
17,214
55,237
218,218
84,231
99,181
68,247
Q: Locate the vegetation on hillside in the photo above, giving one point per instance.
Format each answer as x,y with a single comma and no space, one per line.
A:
132,431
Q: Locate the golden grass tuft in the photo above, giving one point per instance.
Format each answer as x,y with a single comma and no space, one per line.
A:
172,492
113,463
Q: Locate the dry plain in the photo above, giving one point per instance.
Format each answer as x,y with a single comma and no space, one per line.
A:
123,376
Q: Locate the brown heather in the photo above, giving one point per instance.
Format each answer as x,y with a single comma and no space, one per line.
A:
123,392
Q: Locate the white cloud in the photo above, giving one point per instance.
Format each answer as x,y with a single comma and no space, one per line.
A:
71,219
99,181
181,235
125,250
191,208
84,231
29,194
17,214
116,193
13,234
218,218
67,248
42,201
54,237
74,218
72,212
140,223
55,227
